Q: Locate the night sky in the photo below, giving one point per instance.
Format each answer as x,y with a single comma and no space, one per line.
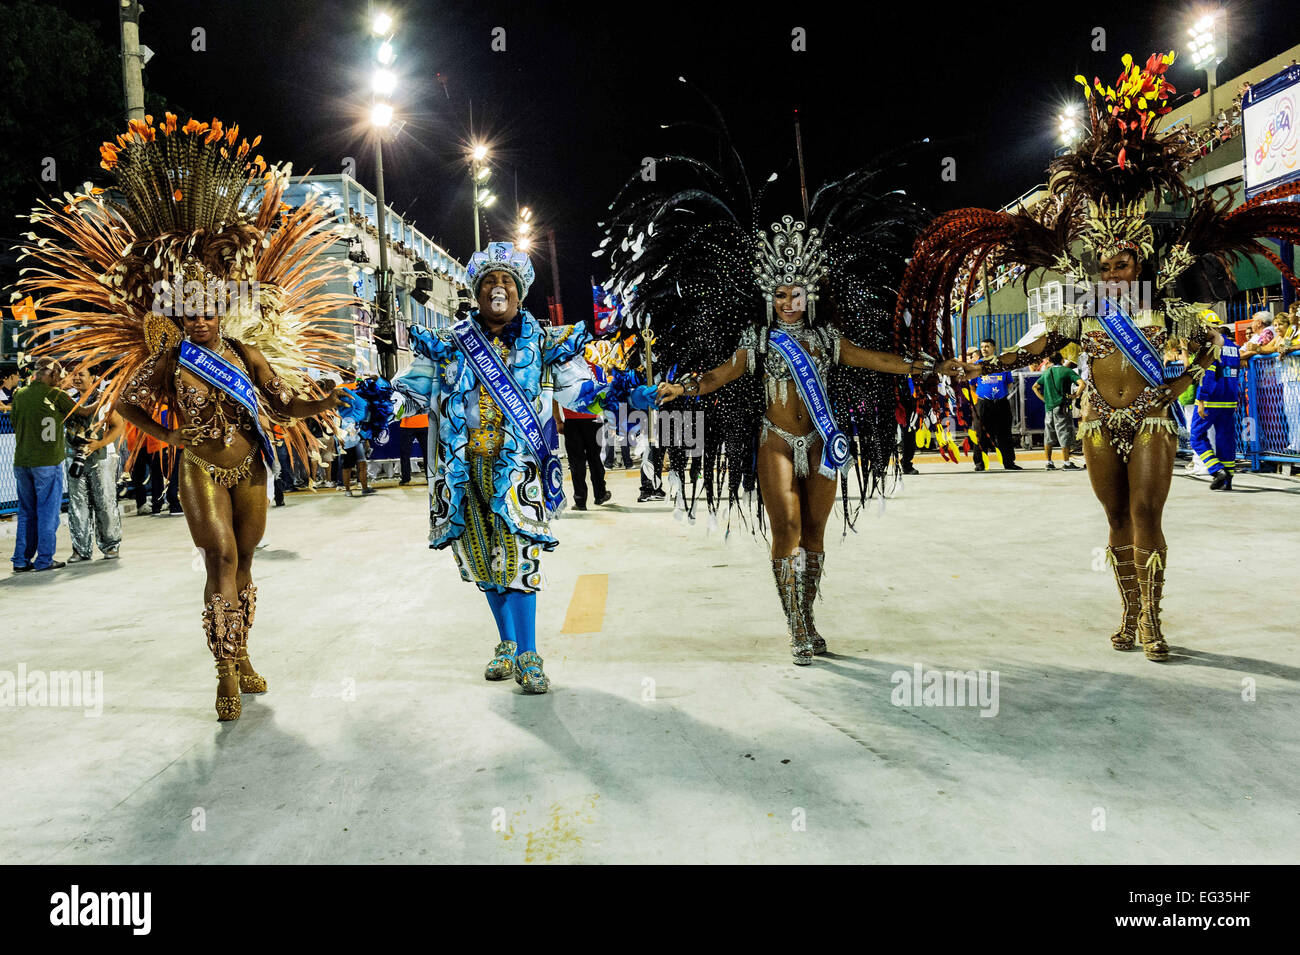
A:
577,98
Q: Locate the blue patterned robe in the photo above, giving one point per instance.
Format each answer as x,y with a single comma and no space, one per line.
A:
547,363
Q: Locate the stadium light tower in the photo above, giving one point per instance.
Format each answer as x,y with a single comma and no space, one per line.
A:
1067,125
1207,47
479,173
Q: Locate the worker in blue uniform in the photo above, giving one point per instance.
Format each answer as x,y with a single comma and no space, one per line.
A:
993,414
1216,408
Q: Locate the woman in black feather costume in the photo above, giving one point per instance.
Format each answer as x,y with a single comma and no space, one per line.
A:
734,313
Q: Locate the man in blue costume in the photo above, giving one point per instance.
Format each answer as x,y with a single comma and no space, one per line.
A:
490,379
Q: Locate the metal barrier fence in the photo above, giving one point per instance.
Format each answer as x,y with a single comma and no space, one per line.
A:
9,483
8,486
1268,414
1006,329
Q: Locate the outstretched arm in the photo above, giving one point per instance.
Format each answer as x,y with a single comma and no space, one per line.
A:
276,390
137,416
710,381
1025,354
855,357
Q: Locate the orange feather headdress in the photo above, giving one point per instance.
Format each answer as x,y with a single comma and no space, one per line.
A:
189,204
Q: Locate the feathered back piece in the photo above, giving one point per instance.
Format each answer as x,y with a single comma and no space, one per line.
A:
689,254
869,232
956,248
683,253
1123,157
191,206
1100,196
1097,196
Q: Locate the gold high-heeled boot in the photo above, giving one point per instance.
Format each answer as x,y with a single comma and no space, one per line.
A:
1151,582
250,681
789,575
1120,558
223,626
812,576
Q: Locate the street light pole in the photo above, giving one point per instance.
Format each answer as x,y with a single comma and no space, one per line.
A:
384,329
132,59
381,116
479,173
555,274
1207,51
473,184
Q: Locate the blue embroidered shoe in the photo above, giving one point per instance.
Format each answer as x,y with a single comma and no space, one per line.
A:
503,664
529,673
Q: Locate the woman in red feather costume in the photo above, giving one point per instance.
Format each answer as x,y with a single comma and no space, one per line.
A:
1148,287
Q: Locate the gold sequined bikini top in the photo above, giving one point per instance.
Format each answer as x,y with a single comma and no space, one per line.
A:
208,410
1097,343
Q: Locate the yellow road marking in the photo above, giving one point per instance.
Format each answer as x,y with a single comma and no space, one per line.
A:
586,613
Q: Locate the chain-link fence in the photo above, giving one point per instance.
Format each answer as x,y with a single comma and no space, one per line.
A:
8,485
1269,411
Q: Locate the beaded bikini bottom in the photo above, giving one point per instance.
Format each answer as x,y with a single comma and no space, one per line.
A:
1122,426
800,445
226,477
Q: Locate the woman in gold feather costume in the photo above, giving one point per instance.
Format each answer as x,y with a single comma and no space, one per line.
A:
202,296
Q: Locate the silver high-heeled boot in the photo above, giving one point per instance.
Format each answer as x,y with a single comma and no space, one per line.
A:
789,574
812,578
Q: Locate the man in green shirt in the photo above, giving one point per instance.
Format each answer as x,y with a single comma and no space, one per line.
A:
1056,386
39,410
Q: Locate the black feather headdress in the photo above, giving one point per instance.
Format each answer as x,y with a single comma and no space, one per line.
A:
689,251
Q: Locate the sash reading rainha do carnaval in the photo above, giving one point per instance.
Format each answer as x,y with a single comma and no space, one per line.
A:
835,446
216,371
1136,347
514,404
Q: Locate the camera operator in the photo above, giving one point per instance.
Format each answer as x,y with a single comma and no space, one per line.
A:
9,380
92,475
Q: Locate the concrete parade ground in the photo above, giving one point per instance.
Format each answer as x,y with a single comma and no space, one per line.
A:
677,729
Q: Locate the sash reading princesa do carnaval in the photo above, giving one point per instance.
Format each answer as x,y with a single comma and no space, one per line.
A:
216,371
518,409
1137,348
835,446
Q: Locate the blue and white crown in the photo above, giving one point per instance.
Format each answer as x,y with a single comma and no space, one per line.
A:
501,255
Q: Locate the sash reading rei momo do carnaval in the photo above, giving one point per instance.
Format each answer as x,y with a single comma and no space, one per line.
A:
219,373
514,404
1137,348
835,446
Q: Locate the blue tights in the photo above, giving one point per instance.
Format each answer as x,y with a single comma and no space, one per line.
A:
516,615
